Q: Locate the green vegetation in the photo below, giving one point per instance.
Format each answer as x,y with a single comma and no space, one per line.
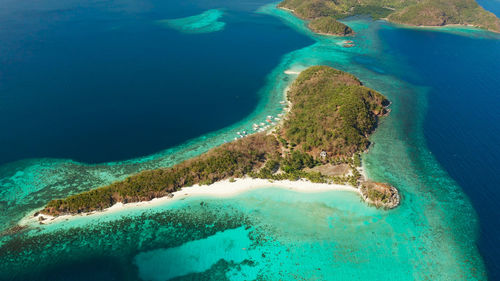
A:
234,159
329,25
375,12
357,160
331,112
379,194
410,12
439,13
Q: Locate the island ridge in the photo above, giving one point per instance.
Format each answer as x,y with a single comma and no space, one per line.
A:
411,12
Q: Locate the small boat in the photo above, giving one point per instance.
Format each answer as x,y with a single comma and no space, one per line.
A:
348,45
268,120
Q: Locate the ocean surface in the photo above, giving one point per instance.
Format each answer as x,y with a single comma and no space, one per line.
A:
221,65
102,81
462,126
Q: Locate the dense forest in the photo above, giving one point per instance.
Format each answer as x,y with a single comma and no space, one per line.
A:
410,12
332,113
234,159
330,26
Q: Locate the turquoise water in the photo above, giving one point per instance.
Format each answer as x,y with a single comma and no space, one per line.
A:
205,22
269,234
464,141
117,119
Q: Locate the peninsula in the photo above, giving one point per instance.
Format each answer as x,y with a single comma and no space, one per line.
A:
410,12
320,140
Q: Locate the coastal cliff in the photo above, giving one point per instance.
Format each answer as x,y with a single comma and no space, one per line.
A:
412,12
320,140
380,194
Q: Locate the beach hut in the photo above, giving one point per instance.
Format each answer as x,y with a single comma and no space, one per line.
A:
323,154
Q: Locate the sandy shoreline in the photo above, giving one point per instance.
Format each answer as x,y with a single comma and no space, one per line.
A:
292,72
220,189
439,27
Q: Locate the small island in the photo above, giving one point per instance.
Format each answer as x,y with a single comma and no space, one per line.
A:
411,12
321,140
329,26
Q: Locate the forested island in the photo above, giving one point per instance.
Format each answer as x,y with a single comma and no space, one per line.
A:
410,12
329,26
320,140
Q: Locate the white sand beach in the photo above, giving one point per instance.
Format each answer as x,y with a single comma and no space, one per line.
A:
292,72
224,188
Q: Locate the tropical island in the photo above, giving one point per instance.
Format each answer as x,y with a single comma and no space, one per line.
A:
329,26
331,117
411,12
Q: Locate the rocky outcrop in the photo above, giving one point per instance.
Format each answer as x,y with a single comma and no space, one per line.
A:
380,195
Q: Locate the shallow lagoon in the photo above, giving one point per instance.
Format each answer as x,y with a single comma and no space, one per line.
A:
288,235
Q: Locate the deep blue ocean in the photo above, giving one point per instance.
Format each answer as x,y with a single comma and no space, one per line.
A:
102,81
462,126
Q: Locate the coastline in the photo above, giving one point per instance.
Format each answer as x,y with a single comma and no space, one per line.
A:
221,189
401,25
310,29
441,28
376,195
